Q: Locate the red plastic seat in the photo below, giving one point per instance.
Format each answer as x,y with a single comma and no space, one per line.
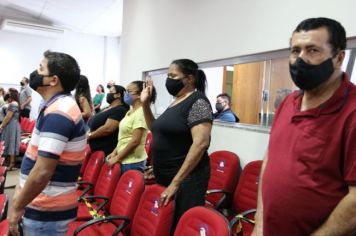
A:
4,202
124,204
224,172
245,196
104,187
91,172
4,227
202,221
85,161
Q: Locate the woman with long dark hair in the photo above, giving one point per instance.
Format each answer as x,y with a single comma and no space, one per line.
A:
83,97
10,127
181,137
104,126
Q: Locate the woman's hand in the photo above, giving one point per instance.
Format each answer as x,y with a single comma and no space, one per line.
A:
148,175
147,91
168,194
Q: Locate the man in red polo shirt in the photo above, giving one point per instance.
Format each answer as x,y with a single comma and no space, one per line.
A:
308,177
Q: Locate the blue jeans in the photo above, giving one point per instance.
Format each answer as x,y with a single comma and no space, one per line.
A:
45,228
133,166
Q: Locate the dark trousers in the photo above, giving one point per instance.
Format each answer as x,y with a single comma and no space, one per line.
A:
191,193
25,113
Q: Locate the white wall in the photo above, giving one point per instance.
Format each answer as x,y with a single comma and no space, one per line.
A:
20,54
158,31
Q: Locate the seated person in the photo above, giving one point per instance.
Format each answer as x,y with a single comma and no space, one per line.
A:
223,111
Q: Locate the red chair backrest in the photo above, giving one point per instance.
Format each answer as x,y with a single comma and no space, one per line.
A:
150,219
107,181
224,172
127,194
148,147
202,221
31,125
245,195
86,158
93,167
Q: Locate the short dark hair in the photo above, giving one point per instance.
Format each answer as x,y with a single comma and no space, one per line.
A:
189,67
65,67
225,96
337,33
26,80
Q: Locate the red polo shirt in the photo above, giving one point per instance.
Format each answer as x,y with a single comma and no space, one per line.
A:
311,162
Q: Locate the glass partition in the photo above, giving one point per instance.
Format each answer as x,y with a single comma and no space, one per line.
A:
257,84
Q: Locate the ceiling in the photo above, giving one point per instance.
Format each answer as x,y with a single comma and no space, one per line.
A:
98,17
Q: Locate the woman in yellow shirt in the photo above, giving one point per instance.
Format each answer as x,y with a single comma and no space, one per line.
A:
130,150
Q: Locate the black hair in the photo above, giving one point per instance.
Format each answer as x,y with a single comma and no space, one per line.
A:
26,80
83,90
102,88
225,96
189,67
337,34
65,67
121,90
139,84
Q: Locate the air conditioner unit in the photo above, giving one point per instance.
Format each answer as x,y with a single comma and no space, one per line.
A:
30,28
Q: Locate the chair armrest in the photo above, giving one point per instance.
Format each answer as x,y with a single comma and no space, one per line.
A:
88,187
223,198
243,216
104,220
106,200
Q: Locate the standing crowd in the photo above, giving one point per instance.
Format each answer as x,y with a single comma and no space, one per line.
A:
307,182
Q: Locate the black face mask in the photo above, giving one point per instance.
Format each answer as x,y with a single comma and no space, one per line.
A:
108,86
110,98
219,107
36,80
307,76
174,86
22,83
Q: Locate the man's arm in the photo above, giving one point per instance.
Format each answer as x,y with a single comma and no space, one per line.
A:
36,181
342,220
25,103
258,230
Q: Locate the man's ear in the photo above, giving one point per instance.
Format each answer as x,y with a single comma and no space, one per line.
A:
55,80
340,58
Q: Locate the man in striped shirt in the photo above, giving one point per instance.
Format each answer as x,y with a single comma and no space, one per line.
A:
46,198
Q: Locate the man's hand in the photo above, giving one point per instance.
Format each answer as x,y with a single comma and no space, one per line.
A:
15,218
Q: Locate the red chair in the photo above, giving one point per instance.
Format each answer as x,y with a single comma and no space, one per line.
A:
103,189
4,202
85,161
224,172
202,221
122,208
245,197
4,227
91,172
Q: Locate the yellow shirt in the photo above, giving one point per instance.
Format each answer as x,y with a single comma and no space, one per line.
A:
132,120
